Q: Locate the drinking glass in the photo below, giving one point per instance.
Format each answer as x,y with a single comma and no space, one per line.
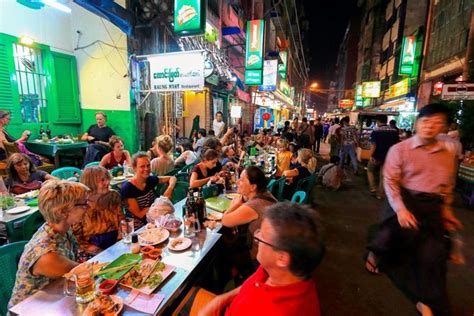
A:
83,278
189,221
127,229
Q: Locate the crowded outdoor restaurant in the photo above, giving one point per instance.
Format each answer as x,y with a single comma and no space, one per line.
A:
166,160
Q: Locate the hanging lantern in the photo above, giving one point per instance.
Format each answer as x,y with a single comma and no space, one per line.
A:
266,116
438,88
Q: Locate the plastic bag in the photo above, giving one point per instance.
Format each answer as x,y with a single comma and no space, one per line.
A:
161,206
168,221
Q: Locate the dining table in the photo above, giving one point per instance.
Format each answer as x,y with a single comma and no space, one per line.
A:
53,148
188,266
12,221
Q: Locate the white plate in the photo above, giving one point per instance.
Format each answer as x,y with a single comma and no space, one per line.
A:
119,178
18,209
153,236
28,195
185,244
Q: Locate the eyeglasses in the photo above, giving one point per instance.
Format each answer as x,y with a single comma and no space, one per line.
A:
257,232
83,205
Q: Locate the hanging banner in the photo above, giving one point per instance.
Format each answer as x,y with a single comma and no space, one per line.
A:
253,77
407,59
189,17
269,75
254,46
177,71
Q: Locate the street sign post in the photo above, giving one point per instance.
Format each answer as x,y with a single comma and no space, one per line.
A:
458,91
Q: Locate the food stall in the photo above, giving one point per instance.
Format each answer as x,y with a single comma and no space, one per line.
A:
366,121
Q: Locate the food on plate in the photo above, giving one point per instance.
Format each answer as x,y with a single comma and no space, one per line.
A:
150,226
211,224
213,217
104,305
185,14
154,254
153,236
137,275
176,242
145,250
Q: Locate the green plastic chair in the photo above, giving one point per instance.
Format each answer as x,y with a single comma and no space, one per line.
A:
185,173
9,257
299,197
31,224
276,187
92,164
66,173
306,184
180,191
172,172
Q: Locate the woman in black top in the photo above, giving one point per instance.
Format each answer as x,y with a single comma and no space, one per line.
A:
206,170
307,166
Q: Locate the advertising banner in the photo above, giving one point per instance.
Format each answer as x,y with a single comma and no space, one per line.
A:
358,96
177,71
282,67
407,59
253,77
398,89
254,45
371,89
269,75
346,104
189,17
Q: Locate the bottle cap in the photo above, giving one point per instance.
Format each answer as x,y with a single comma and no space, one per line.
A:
134,238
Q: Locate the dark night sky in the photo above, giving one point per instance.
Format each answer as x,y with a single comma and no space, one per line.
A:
328,22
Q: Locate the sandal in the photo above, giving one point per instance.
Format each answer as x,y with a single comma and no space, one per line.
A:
370,264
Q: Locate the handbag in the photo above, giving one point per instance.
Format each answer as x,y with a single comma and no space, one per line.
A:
20,188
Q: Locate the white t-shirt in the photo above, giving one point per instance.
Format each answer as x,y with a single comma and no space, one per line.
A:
332,129
218,127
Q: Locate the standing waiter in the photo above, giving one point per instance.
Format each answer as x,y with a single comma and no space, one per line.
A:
411,245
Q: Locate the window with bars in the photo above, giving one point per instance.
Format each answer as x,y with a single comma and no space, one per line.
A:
31,83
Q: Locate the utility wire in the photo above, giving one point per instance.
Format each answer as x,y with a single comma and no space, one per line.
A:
115,46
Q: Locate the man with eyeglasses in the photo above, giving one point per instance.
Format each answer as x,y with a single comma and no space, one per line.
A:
289,250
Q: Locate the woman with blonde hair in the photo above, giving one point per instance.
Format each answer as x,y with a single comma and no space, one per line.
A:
118,156
283,157
164,162
100,226
53,249
307,166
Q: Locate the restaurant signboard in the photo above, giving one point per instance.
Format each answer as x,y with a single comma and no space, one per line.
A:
407,60
253,77
359,102
189,17
398,89
282,67
254,45
179,71
346,104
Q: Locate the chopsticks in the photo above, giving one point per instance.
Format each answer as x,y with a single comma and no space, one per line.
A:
153,267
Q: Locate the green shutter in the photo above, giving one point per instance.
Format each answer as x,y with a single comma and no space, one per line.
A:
66,87
8,97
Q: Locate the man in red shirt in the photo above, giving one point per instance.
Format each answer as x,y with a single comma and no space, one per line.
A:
289,249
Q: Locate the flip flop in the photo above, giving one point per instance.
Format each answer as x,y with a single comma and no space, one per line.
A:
371,267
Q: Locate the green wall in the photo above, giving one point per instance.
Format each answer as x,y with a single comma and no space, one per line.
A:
122,122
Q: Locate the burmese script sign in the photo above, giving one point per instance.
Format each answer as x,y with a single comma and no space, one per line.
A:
177,71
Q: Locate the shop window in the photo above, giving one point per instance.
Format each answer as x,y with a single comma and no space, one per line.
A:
31,83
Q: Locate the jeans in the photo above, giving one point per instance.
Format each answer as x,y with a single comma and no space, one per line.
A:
372,168
349,150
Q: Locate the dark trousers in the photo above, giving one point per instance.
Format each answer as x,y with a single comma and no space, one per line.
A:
415,260
317,144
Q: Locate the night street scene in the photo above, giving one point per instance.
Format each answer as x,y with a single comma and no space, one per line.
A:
237,157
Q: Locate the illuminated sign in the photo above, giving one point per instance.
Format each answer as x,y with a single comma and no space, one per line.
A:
282,66
407,60
254,47
177,71
371,89
253,77
269,75
346,104
285,87
189,17
399,88
358,95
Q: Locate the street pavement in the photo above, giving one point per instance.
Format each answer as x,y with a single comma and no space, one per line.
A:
344,286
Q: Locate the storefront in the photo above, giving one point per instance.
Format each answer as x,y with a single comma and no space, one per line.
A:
400,99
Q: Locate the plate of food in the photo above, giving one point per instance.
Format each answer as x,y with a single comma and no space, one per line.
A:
232,196
147,276
28,195
119,178
214,216
153,236
18,209
110,305
117,268
180,244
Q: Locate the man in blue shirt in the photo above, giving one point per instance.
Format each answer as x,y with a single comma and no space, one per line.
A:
382,138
